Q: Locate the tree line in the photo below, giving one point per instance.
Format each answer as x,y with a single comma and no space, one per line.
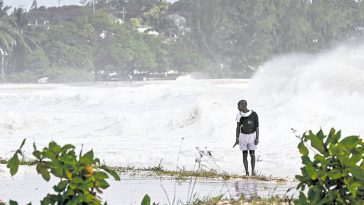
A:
71,43
245,33
229,38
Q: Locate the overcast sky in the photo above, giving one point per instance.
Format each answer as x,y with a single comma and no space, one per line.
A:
47,3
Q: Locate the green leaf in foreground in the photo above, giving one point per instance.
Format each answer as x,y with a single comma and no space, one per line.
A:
146,200
334,175
13,164
111,172
11,202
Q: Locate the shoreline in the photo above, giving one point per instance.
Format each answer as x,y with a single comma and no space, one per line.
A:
134,185
180,175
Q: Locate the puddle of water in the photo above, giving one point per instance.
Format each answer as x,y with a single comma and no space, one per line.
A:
131,190
27,186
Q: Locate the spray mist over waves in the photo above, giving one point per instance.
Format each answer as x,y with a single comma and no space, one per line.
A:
308,92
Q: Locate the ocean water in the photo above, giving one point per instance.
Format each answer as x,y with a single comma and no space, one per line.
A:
145,124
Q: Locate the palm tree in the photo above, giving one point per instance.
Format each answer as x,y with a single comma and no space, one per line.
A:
7,36
20,18
8,39
14,43
3,9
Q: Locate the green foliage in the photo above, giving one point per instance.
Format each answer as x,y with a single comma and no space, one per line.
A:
240,35
136,22
186,59
23,77
64,55
146,200
81,178
67,75
13,202
37,61
247,33
335,174
13,163
8,36
3,9
218,200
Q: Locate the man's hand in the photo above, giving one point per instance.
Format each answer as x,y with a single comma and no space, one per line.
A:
236,143
256,141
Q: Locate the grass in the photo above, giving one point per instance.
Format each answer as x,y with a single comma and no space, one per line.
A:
185,174
219,200
181,174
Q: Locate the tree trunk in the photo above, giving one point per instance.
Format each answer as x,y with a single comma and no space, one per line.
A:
3,66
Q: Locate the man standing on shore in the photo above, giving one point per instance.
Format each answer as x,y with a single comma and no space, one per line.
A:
247,134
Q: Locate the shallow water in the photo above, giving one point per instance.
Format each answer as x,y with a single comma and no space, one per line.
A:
27,186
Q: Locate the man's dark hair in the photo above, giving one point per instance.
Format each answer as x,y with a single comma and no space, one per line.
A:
243,103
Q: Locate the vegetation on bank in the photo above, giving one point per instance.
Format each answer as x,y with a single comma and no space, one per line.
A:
218,38
81,178
334,171
220,200
181,174
187,174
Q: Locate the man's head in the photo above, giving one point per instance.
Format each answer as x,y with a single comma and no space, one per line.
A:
242,105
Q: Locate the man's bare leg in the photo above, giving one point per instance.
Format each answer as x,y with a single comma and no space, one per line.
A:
252,157
245,161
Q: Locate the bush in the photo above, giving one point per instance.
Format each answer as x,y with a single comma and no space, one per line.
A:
81,178
68,75
335,175
54,74
22,77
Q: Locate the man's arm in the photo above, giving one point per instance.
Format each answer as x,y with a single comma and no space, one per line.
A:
256,141
237,134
